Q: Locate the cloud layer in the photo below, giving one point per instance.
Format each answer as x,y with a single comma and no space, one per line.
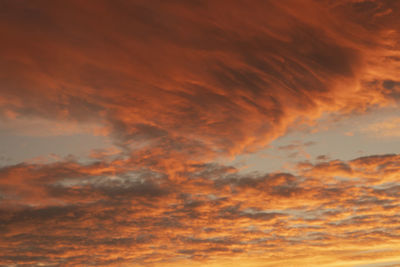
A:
140,218
225,77
177,86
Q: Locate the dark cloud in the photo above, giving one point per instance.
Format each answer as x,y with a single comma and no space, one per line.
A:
160,71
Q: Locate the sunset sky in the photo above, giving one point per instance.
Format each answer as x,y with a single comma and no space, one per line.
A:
217,133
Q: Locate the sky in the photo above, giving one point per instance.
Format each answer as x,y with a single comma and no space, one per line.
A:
200,133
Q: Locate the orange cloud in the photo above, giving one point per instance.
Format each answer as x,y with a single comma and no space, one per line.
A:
177,86
230,83
213,214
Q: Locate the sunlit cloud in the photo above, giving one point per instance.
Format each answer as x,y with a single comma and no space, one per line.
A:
215,213
176,91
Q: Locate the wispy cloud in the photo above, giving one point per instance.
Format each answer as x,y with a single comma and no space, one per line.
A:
387,128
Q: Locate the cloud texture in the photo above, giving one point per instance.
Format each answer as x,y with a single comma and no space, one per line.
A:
178,85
